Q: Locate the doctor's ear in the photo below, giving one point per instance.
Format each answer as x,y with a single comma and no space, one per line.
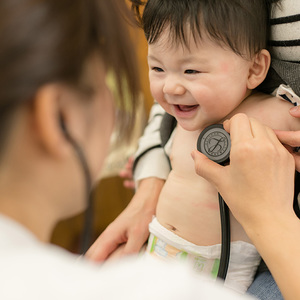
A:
48,119
259,69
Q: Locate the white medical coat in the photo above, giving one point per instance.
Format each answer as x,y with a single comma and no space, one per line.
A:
32,270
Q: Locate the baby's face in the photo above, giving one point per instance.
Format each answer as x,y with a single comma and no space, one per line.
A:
199,86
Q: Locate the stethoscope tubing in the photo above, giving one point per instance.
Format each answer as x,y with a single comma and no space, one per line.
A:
225,244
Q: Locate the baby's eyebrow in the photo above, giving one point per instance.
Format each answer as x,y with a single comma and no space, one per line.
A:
152,58
192,59
185,59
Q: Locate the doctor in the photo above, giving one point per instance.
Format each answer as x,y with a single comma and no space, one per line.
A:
57,115
261,199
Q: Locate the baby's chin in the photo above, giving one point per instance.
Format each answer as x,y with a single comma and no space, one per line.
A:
188,125
195,125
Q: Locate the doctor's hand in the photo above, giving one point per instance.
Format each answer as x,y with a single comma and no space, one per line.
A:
129,231
260,176
258,187
291,138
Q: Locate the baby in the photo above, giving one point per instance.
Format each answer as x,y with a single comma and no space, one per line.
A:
205,58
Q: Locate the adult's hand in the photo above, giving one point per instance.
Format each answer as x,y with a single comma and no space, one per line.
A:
292,138
258,186
129,231
261,170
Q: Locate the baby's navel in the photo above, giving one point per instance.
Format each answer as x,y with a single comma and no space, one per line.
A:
171,227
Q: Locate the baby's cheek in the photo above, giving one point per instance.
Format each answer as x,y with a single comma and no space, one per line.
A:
153,89
205,96
211,102
156,91
158,95
224,67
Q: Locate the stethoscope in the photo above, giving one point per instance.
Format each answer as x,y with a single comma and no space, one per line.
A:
214,142
88,218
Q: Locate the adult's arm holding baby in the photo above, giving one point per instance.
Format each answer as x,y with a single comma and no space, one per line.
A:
258,188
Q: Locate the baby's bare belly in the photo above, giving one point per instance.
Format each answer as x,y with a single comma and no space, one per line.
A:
189,207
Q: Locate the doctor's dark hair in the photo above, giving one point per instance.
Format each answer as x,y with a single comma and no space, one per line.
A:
48,41
241,25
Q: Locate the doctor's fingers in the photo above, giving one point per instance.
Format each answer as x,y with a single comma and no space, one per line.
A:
295,111
242,128
291,138
135,244
265,135
207,169
296,156
105,245
239,128
132,246
297,160
269,147
248,134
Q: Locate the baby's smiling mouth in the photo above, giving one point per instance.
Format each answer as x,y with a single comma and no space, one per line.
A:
186,108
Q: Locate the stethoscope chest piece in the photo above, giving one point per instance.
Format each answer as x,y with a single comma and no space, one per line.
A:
214,142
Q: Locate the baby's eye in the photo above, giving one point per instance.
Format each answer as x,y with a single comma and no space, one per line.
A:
191,71
157,69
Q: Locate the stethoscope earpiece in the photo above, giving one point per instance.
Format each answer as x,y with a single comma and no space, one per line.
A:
214,142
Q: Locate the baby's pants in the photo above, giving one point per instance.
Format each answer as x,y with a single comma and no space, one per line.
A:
244,258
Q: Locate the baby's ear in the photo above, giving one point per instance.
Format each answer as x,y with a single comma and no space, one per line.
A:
259,69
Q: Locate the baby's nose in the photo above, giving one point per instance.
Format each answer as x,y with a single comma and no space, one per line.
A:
173,86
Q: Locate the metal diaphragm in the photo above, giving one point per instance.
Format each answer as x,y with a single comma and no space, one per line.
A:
214,142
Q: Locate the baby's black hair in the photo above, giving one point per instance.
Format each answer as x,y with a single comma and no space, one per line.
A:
242,25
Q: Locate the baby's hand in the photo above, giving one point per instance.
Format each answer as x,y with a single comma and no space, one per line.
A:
127,174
